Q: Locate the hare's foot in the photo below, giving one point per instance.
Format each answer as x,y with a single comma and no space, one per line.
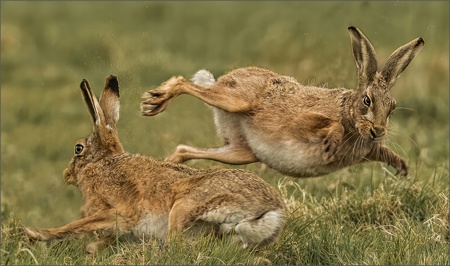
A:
94,247
228,154
402,167
152,109
34,234
177,155
156,101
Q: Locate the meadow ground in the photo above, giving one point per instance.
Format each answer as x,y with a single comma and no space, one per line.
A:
360,215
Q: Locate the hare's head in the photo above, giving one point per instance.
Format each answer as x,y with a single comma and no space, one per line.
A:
372,104
104,140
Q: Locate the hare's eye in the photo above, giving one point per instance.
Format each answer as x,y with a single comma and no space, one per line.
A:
367,101
78,148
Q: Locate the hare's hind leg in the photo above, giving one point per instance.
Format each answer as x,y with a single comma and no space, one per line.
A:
220,96
181,216
257,230
184,220
235,150
229,154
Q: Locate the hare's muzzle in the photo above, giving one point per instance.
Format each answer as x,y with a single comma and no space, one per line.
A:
377,133
69,178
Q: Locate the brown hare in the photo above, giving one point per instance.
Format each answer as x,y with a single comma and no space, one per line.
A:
299,130
131,194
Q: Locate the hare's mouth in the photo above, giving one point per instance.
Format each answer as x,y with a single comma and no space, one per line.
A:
374,136
369,134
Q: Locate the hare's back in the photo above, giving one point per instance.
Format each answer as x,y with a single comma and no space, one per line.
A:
250,80
286,94
233,187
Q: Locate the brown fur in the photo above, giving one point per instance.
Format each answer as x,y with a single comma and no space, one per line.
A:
299,130
131,193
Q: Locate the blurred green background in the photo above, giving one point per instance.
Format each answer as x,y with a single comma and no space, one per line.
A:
47,48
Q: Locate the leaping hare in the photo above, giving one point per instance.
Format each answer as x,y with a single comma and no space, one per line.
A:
299,130
129,193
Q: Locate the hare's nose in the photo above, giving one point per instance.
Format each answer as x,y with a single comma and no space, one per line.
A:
377,132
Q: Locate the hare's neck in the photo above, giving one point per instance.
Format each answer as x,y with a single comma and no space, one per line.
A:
347,119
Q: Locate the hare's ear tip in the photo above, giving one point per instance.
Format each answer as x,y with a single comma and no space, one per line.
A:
420,41
354,31
83,83
112,82
111,79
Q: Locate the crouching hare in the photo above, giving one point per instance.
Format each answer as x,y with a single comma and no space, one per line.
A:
133,194
299,130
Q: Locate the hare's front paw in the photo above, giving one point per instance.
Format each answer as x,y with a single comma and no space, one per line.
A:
402,167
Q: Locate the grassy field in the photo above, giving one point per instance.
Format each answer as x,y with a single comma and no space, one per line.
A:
360,215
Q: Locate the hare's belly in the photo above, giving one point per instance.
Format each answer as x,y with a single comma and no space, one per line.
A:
288,156
152,225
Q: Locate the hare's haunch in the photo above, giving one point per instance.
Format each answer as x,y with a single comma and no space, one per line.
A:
299,130
129,193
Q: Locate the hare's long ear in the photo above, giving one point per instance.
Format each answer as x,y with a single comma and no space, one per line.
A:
399,60
364,55
92,103
109,101
106,133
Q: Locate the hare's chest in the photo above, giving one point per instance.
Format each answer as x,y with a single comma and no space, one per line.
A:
152,225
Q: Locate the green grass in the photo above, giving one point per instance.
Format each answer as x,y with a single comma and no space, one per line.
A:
360,215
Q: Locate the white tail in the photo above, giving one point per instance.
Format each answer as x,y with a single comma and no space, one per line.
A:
203,78
261,229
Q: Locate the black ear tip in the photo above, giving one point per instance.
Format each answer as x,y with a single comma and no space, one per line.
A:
111,78
84,83
354,31
112,82
420,41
